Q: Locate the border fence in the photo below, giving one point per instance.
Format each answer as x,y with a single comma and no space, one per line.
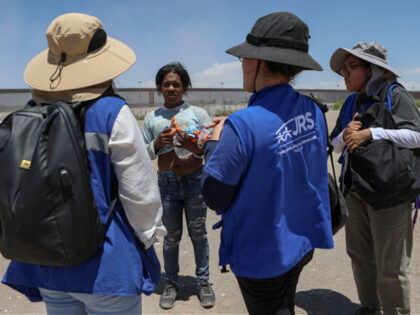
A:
144,100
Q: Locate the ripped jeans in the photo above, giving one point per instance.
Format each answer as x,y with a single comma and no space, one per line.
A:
180,192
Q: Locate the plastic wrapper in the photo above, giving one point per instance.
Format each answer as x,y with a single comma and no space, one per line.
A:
197,133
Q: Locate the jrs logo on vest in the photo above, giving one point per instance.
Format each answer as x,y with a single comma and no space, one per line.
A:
297,131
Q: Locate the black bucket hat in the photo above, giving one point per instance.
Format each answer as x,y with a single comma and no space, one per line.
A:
279,37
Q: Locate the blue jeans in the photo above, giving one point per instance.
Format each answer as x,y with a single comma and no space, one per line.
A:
61,303
180,192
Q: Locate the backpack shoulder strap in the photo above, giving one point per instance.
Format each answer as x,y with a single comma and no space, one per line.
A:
343,212
31,103
330,148
386,96
79,110
324,108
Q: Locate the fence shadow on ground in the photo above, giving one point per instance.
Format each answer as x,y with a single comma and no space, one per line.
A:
325,302
187,284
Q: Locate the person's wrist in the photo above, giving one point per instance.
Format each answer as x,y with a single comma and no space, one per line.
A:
200,151
368,134
215,136
157,146
345,132
199,154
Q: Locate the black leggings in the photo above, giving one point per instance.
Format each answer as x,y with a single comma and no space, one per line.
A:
273,296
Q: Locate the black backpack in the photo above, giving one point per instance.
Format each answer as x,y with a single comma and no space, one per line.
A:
383,174
48,214
338,206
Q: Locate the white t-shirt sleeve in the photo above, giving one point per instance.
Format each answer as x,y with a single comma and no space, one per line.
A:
404,138
338,143
149,138
137,184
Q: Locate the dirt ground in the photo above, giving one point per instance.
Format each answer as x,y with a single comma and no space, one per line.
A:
326,285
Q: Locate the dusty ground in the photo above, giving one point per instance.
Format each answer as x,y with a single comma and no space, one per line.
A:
326,286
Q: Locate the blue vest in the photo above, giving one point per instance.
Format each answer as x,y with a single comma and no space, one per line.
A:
120,267
281,210
347,111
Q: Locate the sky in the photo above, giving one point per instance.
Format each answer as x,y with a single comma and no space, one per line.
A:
197,33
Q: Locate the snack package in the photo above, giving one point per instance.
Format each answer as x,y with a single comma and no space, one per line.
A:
197,133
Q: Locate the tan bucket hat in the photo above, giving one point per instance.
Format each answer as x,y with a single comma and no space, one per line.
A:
79,55
371,52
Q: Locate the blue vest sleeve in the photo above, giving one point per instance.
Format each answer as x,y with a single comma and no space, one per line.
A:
225,163
229,160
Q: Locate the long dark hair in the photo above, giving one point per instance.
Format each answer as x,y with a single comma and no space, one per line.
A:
173,67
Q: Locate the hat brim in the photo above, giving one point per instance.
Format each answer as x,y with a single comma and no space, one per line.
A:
275,54
340,55
70,96
97,67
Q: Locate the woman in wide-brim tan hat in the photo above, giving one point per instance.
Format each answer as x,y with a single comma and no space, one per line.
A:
267,172
79,65
374,238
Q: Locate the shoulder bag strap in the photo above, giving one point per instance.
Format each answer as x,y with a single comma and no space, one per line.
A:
330,148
